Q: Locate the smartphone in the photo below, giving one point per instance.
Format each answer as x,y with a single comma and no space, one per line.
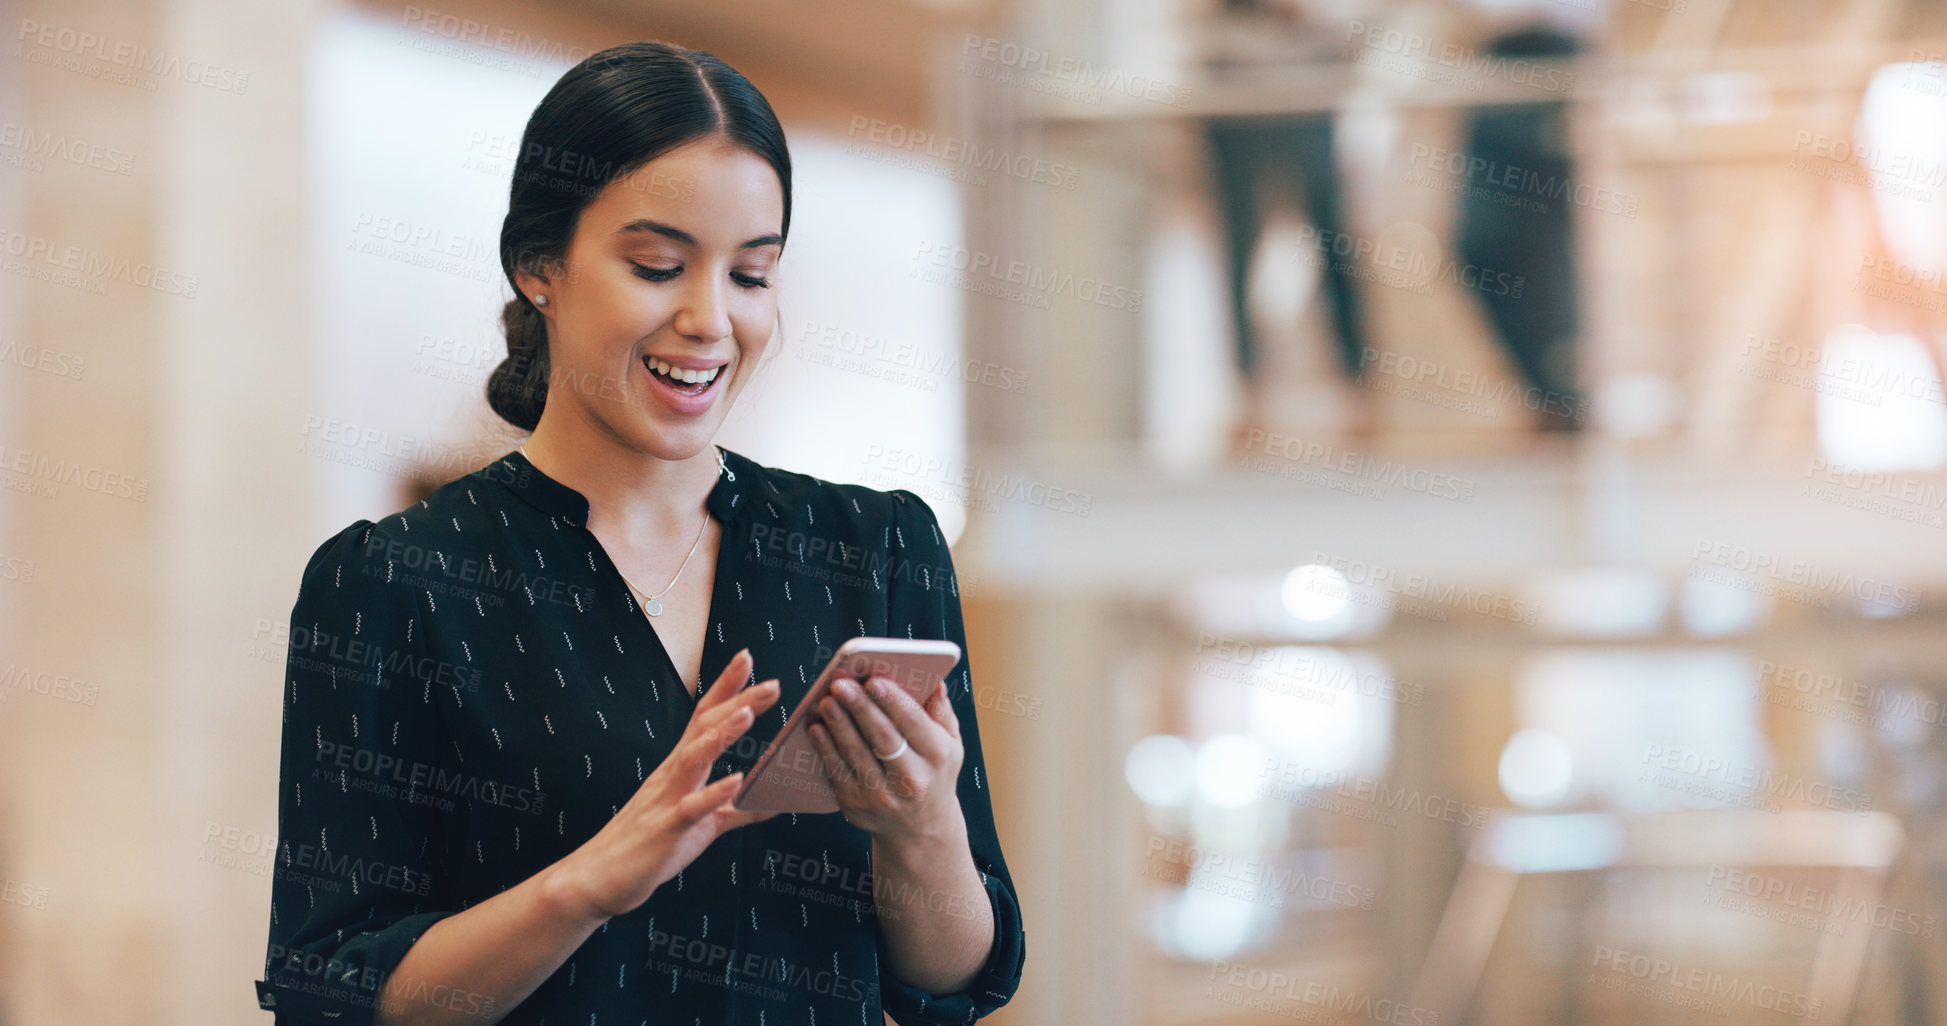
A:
790,775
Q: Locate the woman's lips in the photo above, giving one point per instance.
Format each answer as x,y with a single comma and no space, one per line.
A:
679,397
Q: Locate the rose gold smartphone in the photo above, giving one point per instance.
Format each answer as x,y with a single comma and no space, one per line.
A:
790,775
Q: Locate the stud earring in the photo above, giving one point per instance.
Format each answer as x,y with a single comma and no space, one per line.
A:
540,300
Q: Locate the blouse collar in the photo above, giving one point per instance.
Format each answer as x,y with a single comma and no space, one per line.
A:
741,483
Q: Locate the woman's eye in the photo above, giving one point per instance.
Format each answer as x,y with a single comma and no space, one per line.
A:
666,273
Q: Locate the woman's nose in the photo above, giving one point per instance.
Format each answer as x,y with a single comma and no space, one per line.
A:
705,313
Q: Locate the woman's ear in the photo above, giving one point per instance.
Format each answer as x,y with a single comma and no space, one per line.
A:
535,274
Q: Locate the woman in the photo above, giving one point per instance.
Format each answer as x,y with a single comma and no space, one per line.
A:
496,801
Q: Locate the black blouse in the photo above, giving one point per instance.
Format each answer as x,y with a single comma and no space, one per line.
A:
473,692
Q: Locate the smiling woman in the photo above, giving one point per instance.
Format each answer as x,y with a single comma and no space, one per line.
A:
580,862
697,265
645,164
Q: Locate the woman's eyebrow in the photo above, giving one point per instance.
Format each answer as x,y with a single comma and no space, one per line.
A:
643,224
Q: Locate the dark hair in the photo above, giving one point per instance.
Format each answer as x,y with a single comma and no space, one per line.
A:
608,116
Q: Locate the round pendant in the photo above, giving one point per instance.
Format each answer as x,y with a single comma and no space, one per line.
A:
652,607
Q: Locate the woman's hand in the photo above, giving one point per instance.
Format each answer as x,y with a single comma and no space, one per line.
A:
672,817
910,798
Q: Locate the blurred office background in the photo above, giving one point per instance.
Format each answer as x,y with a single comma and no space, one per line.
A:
1448,492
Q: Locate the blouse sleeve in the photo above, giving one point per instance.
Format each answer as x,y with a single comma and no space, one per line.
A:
355,882
925,603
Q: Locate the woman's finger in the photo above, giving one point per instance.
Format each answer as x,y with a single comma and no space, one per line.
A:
730,817
913,723
692,807
940,708
706,737
872,722
755,699
727,723
837,771
734,674
852,747
701,744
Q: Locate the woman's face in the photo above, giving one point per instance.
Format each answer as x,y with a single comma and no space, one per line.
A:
672,267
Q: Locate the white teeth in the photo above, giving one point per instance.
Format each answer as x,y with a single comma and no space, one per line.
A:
687,376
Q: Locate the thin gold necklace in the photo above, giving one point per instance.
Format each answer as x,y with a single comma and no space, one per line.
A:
649,603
